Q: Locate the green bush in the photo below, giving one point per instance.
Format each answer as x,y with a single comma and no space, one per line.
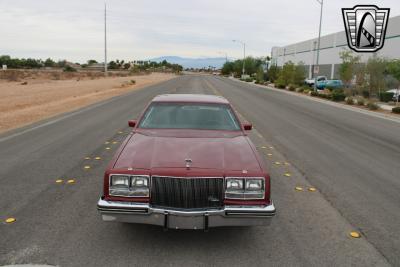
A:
326,96
292,87
306,91
372,106
248,80
69,69
314,93
338,95
349,100
396,110
360,101
385,96
365,93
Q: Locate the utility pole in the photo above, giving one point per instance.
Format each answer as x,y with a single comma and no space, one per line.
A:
321,2
105,39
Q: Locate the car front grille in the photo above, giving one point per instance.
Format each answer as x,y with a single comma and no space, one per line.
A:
186,193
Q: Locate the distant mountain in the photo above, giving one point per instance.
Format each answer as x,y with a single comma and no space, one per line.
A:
193,62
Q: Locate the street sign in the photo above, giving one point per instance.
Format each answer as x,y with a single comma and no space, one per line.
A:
316,69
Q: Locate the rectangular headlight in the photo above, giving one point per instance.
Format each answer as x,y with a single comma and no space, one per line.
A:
129,186
244,188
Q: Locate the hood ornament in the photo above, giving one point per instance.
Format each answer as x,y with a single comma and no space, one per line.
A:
188,163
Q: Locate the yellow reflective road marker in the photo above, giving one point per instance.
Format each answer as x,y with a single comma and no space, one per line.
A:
108,148
269,155
97,158
312,189
115,142
287,174
87,157
287,163
106,143
87,167
299,188
277,163
71,181
120,132
264,147
355,234
271,147
11,220
59,181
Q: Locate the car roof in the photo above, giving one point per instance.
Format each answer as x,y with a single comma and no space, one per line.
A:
197,98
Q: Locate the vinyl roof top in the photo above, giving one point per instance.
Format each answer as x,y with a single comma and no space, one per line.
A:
198,98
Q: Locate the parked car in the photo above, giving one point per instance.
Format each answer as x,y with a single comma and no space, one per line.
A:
396,94
187,164
310,82
332,84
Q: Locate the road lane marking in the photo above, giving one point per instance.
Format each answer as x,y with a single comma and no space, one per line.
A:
59,181
71,181
97,158
287,174
10,220
312,189
355,234
298,188
277,163
108,148
87,167
106,143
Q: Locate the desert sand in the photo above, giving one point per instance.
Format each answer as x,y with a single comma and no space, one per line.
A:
22,104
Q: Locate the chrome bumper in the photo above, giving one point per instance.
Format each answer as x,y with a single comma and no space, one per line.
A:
143,213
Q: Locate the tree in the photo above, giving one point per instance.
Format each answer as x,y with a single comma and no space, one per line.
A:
273,73
91,62
375,69
112,65
393,69
227,68
348,66
49,63
260,75
299,74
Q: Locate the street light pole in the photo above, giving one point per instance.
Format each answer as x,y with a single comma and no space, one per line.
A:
244,53
321,2
105,39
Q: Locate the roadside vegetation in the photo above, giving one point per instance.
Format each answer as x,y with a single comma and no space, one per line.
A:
139,65
364,84
16,69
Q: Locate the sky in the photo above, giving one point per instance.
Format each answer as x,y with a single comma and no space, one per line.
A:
144,29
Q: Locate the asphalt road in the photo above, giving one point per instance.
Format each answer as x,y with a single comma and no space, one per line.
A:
352,160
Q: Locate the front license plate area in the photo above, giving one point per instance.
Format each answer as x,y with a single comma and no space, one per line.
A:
186,222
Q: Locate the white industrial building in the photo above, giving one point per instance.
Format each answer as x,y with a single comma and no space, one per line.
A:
331,45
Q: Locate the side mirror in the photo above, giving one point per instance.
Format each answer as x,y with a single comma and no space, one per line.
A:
132,123
247,126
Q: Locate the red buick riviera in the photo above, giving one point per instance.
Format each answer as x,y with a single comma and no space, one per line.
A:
187,164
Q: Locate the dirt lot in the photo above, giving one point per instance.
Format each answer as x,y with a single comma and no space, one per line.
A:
30,100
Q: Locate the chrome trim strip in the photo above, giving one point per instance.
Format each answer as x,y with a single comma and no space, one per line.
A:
228,211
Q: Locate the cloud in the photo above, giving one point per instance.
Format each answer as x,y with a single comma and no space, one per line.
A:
144,29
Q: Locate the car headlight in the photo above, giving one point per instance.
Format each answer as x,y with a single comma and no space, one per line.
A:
129,186
245,188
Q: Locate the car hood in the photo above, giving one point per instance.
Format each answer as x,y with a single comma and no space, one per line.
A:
226,153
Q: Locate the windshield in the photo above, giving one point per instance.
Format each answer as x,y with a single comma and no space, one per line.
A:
190,116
